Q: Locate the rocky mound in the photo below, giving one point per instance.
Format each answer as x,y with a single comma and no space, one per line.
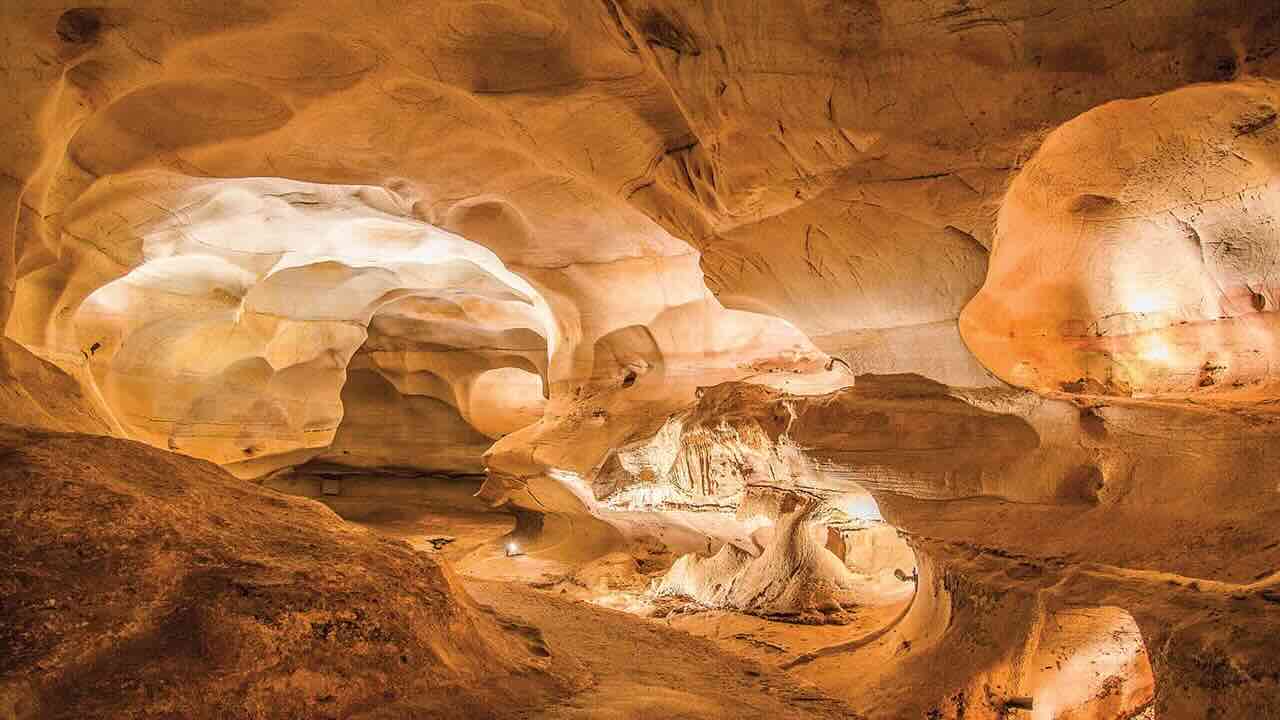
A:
34,393
140,583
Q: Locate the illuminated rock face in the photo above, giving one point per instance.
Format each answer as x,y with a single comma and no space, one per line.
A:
1022,513
231,338
34,393
792,576
1136,251
249,301
756,273
812,152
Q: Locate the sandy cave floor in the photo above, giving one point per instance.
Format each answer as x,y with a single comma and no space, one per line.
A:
630,653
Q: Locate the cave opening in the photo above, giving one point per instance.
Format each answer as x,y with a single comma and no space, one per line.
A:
639,359
270,311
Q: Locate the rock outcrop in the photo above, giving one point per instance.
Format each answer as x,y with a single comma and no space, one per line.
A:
1135,252
976,298
1022,512
142,583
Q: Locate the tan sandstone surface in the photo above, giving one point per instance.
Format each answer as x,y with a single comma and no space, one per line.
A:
640,359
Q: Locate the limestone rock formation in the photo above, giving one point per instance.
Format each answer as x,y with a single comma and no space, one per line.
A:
1012,528
213,346
1135,251
944,326
34,393
793,575
138,582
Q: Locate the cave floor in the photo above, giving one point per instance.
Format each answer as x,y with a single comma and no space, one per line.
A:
633,668
690,662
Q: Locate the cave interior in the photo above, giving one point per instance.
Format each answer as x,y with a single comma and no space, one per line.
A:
640,359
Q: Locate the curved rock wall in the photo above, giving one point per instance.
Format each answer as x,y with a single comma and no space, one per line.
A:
1135,252
525,237
812,152
1022,511
230,336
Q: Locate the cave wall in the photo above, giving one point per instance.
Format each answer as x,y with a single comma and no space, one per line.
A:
811,153
639,254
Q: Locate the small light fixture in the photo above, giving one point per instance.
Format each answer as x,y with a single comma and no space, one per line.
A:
513,549
1156,350
1019,703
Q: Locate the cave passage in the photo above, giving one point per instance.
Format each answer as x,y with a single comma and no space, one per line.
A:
639,359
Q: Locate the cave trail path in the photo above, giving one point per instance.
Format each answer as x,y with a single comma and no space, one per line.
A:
638,669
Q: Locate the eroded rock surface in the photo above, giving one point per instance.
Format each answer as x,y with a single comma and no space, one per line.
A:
138,582
1135,251
954,316
1022,513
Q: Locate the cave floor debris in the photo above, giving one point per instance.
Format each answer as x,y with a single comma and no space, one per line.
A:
636,668
627,653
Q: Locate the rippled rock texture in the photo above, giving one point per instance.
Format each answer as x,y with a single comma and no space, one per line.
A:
956,306
138,582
